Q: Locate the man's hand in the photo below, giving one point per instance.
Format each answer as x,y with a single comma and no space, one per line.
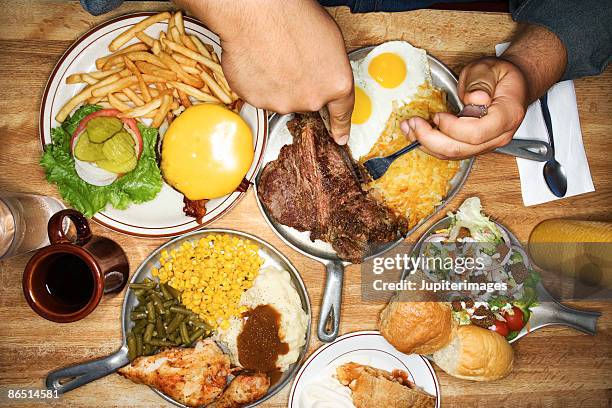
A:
493,82
532,64
284,56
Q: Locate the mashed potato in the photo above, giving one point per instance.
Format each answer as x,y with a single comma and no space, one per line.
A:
271,287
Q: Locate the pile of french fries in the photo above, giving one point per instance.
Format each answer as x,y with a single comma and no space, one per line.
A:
154,78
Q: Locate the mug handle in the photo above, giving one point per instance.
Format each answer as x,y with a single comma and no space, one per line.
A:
55,228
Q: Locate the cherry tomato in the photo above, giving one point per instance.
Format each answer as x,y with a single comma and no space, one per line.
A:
500,327
515,321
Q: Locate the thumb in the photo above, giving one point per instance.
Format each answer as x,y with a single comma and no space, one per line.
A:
477,83
340,111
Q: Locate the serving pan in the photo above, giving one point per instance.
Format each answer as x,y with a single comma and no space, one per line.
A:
69,378
548,311
329,317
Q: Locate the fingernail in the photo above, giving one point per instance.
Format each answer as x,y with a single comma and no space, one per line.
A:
342,140
436,120
405,127
412,124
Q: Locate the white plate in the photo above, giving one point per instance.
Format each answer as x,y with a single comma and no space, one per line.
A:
163,216
363,347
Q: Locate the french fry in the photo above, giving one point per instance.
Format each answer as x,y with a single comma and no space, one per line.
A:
100,62
175,35
88,79
145,56
133,97
215,88
148,78
183,76
194,56
223,83
145,38
122,97
200,46
104,74
183,60
188,42
191,91
162,111
94,100
162,37
144,90
141,110
141,26
178,22
184,98
82,96
215,58
115,86
190,70
151,69
118,104
156,49
74,79
171,23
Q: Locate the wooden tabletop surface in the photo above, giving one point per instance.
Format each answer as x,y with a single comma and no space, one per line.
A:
554,367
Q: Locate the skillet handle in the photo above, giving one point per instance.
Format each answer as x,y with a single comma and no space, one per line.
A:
68,378
329,317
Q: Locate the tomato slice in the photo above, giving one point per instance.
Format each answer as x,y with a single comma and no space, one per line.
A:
130,122
515,320
500,327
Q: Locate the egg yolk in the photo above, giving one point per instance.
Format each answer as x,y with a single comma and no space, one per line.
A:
388,69
363,107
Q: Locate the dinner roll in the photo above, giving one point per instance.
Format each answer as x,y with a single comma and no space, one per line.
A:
419,327
476,354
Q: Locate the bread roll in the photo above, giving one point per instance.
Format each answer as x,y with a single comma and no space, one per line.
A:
476,354
416,327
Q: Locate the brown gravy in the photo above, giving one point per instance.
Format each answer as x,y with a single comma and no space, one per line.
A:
259,344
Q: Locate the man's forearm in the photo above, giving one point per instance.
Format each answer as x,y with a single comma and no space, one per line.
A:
541,56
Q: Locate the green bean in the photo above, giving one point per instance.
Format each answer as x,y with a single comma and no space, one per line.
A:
138,344
151,311
139,292
159,325
148,334
161,343
167,318
165,292
147,349
178,341
196,335
131,343
174,324
138,315
181,310
141,299
201,325
157,302
139,326
170,302
184,333
175,293
142,286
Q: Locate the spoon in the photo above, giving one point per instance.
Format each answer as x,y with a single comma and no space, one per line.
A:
554,174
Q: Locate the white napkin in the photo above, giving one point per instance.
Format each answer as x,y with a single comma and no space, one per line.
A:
569,150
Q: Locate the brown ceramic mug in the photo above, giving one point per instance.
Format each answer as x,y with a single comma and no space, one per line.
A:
65,281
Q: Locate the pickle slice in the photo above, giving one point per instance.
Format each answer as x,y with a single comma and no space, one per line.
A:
125,136
118,167
87,151
103,128
118,148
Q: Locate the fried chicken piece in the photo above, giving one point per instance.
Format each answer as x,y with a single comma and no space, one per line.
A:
243,390
192,376
375,388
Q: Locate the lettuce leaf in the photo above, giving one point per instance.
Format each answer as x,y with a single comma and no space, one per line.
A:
470,216
140,185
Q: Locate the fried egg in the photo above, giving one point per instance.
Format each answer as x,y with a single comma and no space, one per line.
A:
391,72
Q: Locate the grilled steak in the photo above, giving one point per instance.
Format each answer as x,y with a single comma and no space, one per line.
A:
311,187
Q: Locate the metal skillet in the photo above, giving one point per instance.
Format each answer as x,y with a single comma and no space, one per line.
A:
69,378
329,318
548,311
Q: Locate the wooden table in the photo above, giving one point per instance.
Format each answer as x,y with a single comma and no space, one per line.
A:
554,367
